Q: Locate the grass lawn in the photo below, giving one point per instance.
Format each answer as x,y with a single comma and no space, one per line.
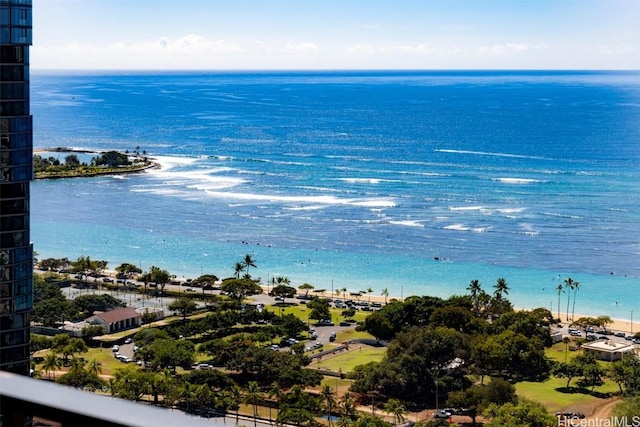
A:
101,355
559,351
547,393
302,312
348,360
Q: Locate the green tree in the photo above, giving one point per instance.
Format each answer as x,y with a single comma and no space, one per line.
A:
290,325
370,421
628,408
566,370
168,353
501,288
385,294
51,364
378,326
183,305
274,392
63,344
112,159
306,287
626,373
560,290
319,309
238,268
130,383
39,342
94,367
283,291
72,161
79,377
89,303
247,262
329,399
397,409
369,291
253,397
160,277
524,413
239,289
128,270
475,290
569,284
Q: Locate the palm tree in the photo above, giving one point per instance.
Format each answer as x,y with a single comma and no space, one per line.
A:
248,262
94,367
576,286
568,284
274,391
235,396
344,293
348,405
238,269
329,398
385,294
397,409
500,287
252,397
560,290
475,289
369,291
51,363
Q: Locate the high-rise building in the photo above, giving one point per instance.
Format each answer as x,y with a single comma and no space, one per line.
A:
16,171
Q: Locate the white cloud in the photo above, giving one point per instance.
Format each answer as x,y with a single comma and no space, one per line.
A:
183,52
302,47
502,49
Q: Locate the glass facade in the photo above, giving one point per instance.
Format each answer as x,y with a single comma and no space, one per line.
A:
16,171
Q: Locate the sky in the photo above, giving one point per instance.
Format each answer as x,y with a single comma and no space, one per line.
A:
335,34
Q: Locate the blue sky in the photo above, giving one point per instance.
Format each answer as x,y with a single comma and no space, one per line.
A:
336,34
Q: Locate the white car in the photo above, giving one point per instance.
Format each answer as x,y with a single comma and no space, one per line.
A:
441,414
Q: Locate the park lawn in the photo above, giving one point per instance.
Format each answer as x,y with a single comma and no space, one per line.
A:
106,358
302,312
546,392
346,361
559,351
102,355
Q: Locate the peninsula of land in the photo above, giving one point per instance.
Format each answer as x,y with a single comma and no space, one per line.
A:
103,163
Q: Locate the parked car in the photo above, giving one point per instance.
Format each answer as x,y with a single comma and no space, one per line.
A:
115,348
128,341
441,414
107,280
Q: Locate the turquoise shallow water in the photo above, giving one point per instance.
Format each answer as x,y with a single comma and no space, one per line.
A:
358,179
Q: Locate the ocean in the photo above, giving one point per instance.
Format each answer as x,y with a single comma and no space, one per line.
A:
417,182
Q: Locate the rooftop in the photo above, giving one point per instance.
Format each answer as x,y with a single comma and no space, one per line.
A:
609,346
118,314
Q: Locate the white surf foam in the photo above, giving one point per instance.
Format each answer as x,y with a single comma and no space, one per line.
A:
408,223
516,180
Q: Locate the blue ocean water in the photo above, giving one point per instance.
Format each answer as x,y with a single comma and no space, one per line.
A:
417,182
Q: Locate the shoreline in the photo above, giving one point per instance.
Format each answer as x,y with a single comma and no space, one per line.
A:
617,324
